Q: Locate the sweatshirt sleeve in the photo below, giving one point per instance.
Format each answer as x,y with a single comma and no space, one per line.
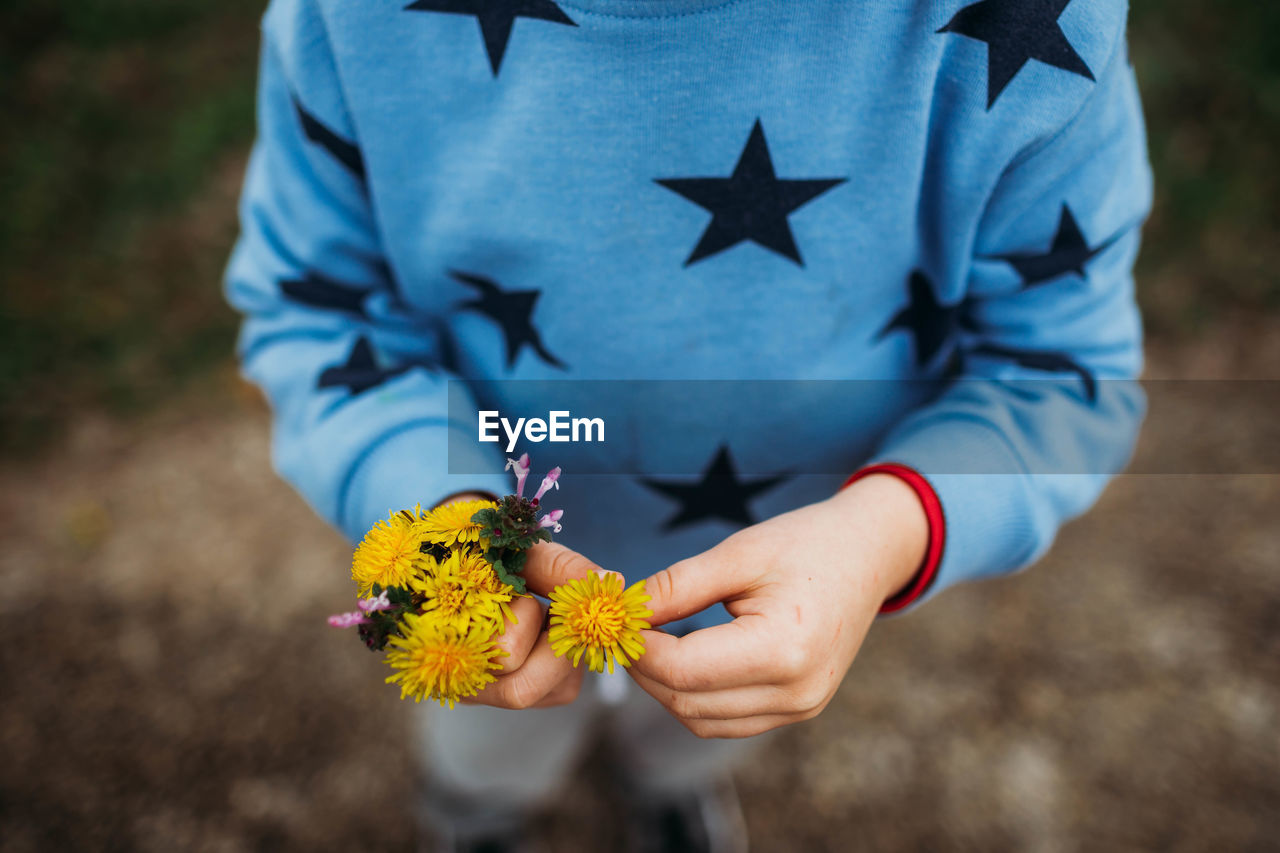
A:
360,415
1044,408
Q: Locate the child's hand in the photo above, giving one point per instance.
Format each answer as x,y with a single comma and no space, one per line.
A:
803,588
531,675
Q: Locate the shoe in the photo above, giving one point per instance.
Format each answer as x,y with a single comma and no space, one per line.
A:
705,820
511,840
448,824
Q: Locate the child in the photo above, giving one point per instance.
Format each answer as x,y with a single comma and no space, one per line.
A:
699,189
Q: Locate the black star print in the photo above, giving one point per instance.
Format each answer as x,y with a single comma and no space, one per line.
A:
751,204
496,18
318,291
1052,362
513,311
1017,31
360,372
1069,253
346,153
720,494
931,322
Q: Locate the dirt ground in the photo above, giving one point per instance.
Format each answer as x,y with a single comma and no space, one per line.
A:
170,683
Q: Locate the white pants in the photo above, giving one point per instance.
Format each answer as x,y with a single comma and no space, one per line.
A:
486,764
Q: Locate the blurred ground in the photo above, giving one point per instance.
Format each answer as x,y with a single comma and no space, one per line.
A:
172,684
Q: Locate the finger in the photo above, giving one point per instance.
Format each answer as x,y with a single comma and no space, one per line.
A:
735,654
531,683
551,564
564,692
518,639
745,727
694,584
736,702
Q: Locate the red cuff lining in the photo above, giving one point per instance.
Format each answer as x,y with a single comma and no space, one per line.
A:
924,577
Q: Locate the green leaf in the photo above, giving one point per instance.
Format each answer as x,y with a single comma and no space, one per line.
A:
516,582
487,517
378,629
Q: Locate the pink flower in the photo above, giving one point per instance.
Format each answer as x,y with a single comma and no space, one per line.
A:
369,605
347,620
521,468
552,520
548,482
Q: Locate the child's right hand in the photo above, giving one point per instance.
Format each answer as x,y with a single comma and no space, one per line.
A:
531,675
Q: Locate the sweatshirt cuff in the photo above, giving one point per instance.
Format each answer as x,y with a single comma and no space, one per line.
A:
928,571
410,466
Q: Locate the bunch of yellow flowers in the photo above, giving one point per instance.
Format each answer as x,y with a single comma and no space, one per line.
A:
436,589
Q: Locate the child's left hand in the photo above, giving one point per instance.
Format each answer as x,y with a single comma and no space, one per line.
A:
803,589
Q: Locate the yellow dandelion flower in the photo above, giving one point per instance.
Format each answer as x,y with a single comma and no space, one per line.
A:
451,523
456,601
477,570
436,662
387,554
596,617
426,565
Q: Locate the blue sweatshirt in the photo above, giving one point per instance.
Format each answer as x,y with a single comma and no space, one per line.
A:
699,189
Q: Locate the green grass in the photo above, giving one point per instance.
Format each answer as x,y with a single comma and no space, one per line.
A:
1210,78
123,124
117,117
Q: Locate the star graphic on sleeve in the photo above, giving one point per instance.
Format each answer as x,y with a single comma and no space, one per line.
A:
512,310
360,372
1069,253
719,494
1017,31
1051,362
346,153
318,291
496,18
931,322
751,204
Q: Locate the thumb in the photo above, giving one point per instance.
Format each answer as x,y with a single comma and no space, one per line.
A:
551,564
688,586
